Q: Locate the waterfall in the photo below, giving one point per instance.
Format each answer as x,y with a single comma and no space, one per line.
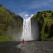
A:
26,34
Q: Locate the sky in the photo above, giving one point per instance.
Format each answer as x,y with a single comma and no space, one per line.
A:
26,8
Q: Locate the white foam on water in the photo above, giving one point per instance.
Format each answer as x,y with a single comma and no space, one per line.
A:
26,34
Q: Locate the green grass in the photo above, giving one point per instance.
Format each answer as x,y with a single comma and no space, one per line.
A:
5,38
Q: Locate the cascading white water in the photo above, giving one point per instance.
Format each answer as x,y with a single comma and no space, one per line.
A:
26,34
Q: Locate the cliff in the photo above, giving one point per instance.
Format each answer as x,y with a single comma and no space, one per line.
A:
8,21
45,24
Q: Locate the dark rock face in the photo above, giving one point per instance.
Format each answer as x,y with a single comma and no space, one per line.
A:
34,29
45,24
51,31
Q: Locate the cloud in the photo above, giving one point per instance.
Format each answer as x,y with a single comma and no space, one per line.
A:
22,14
25,15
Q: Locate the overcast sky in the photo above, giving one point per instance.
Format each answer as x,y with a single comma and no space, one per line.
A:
27,7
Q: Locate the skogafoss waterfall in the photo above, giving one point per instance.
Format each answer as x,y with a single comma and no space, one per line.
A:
26,34
30,30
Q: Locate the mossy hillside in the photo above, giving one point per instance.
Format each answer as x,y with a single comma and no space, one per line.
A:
45,22
6,19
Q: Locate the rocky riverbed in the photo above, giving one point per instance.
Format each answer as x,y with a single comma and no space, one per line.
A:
30,47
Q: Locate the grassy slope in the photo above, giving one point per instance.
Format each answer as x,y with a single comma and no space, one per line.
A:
6,18
43,21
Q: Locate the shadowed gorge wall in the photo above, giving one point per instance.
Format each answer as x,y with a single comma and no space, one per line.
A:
15,28
10,25
34,29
